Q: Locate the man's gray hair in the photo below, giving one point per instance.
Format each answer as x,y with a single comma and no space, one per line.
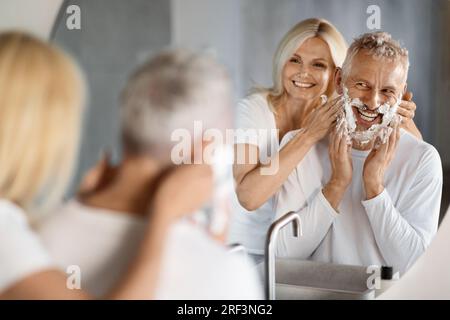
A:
169,92
378,44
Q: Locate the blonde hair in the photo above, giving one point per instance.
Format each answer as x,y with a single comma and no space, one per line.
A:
41,94
378,44
295,37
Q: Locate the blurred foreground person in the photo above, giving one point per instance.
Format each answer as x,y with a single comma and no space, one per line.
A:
101,230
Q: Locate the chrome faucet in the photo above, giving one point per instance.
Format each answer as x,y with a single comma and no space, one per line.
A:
271,242
236,248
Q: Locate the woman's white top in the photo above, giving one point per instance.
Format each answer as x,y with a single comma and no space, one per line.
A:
21,252
255,124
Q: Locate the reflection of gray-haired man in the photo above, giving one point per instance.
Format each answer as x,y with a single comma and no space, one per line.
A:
365,197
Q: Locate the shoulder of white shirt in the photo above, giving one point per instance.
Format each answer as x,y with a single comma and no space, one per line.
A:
255,100
10,213
423,148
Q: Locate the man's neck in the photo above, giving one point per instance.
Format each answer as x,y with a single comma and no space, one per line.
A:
131,187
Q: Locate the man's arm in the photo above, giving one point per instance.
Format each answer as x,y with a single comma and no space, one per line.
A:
403,231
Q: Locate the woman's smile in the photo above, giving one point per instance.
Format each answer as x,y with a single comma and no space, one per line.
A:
303,84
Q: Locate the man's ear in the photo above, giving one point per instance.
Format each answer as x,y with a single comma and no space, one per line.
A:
338,81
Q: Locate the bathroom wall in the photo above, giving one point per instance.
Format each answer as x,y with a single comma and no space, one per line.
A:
441,91
212,25
30,15
115,36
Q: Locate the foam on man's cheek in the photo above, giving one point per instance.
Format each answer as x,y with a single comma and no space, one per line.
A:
346,123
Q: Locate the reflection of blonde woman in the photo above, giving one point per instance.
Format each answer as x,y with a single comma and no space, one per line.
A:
303,70
41,94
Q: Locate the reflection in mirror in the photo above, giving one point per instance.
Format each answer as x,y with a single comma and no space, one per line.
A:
359,206
354,209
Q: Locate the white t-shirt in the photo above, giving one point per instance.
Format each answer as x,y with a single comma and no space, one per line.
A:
249,228
394,228
103,242
21,253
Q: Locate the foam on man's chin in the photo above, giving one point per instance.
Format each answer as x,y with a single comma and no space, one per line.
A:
346,123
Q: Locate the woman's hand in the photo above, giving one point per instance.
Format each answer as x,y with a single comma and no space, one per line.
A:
97,177
319,121
182,190
341,168
407,110
407,107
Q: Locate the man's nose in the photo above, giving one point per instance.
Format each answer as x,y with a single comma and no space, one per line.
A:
372,100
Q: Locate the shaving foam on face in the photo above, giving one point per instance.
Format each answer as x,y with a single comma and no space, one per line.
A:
346,123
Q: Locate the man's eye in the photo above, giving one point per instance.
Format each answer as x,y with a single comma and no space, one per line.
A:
388,91
362,85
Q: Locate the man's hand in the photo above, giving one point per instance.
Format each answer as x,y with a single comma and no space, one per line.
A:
376,163
341,166
407,110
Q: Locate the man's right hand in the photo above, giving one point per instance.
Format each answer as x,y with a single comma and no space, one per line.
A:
342,169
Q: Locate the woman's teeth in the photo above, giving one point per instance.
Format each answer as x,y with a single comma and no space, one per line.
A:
366,116
303,84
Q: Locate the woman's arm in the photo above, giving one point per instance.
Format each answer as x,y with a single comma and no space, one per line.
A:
254,188
256,183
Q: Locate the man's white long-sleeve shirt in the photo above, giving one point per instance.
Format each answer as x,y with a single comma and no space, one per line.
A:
393,228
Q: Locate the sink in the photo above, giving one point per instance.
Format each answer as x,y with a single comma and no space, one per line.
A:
304,280
294,279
